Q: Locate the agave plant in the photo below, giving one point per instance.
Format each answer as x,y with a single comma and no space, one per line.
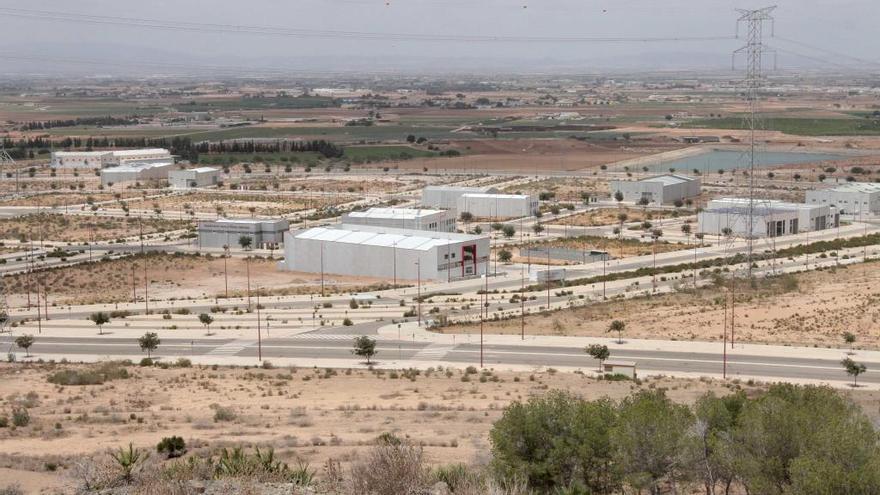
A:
128,459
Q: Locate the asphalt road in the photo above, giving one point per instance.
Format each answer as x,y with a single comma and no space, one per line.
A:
336,344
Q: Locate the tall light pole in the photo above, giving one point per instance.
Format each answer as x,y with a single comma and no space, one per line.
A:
226,269
419,292
259,336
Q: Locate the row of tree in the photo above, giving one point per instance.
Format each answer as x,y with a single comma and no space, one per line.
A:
95,121
791,439
325,148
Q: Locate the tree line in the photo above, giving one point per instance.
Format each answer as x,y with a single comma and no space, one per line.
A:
323,147
789,440
96,121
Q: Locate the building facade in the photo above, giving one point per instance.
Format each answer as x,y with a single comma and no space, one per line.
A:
403,218
497,206
852,198
264,234
194,177
446,197
662,189
110,158
136,171
386,253
770,218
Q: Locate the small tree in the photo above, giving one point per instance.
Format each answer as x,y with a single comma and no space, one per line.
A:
206,320
504,256
600,352
538,228
854,369
100,319
618,196
617,326
508,231
364,347
149,342
24,342
245,242
466,217
849,338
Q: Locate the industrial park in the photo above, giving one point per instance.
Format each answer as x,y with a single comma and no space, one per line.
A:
632,273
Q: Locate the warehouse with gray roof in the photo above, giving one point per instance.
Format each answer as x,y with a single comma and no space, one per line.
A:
403,218
662,189
851,198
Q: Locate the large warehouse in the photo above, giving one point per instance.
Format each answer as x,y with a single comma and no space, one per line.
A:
771,218
136,171
103,159
194,177
264,234
386,253
662,189
403,218
446,197
498,206
851,198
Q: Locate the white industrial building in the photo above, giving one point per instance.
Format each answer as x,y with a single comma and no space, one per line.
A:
403,218
446,197
386,253
109,158
851,198
194,177
498,206
771,218
264,234
136,171
662,189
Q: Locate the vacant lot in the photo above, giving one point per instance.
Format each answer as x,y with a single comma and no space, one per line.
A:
80,228
234,203
610,216
171,276
803,309
308,414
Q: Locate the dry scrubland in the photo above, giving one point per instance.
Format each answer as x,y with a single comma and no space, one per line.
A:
812,308
171,276
564,189
609,216
618,248
78,228
307,414
236,204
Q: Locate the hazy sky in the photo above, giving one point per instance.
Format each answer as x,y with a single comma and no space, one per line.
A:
842,26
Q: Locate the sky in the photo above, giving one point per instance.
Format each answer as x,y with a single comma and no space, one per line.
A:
835,35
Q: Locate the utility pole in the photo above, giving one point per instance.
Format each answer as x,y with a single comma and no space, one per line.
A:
419,292
522,304
322,271
226,269
754,50
259,337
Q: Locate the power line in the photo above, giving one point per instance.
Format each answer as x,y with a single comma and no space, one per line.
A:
57,16
827,51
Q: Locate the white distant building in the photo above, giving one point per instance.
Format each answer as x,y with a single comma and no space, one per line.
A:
136,171
386,253
109,158
851,198
194,177
498,206
446,197
662,189
403,218
264,234
771,218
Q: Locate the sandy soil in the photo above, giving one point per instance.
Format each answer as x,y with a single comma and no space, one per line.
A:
310,414
171,276
608,216
566,189
236,204
804,309
77,228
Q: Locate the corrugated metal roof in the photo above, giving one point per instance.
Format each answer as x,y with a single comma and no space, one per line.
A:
858,187
494,196
402,239
394,213
669,179
125,153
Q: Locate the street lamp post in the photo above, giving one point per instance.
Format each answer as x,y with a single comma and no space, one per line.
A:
419,292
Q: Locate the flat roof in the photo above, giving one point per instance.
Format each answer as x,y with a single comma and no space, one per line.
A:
669,179
395,213
247,221
419,240
465,189
859,187
80,153
138,166
495,196
198,170
762,203
124,153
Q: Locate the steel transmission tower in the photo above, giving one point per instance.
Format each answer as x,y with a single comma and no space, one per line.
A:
754,50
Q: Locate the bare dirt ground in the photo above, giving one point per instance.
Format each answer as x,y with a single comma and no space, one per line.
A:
803,309
308,414
609,216
365,185
237,204
565,189
78,228
171,276
623,248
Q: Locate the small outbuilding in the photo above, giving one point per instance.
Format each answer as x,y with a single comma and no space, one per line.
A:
264,233
617,367
662,189
194,177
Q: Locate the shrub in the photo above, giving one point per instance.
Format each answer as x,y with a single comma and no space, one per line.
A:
183,363
389,468
96,375
171,447
347,322
20,417
147,362
4,421
223,414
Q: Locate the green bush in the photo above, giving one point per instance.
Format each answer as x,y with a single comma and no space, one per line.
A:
20,417
171,447
95,375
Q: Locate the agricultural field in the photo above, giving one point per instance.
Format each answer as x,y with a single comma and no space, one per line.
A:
799,126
